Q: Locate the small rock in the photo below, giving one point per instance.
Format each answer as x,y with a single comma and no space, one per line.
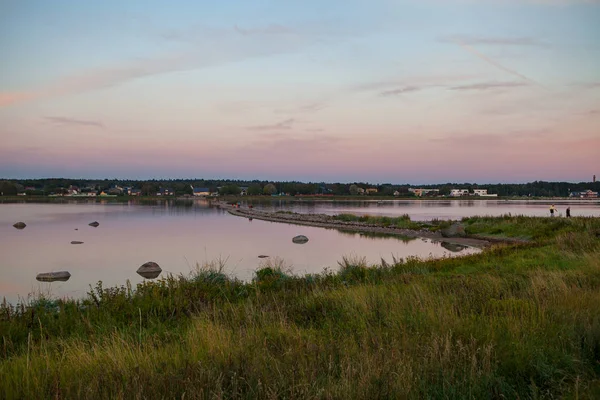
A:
262,256
20,225
76,242
300,239
76,229
149,270
62,276
94,224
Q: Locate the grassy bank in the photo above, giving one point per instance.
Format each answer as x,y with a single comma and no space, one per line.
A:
511,322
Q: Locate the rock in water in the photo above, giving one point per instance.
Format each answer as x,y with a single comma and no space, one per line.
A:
454,230
262,256
150,270
20,225
300,239
62,276
76,242
94,224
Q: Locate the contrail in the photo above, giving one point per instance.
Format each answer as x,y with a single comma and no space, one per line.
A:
483,57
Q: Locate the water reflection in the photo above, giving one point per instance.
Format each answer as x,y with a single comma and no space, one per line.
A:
175,236
453,247
377,235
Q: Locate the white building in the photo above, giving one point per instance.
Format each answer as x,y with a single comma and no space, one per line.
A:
421,192
483,193
459,192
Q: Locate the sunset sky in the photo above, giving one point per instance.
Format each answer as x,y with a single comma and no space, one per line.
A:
394,91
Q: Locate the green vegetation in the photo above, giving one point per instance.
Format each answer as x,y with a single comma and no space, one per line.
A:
403,221
515,321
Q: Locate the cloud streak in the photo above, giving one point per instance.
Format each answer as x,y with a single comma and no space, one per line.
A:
493,41
65,121
489,85
283,125
488,60
406,89
202,52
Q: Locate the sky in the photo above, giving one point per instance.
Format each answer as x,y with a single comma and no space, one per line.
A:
397,91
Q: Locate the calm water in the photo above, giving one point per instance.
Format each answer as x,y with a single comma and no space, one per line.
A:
422,210
176,236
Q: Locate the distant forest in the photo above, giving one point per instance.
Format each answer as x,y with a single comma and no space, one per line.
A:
257,187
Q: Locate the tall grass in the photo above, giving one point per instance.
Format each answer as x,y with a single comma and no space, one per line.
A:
515,321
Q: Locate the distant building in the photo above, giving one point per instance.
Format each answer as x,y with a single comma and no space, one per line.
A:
396,193
586,194
165,192
459,192
360,190
483,193
424,192
201,191
371,191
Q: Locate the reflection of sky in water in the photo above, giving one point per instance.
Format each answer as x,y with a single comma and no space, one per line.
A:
422,210
177,237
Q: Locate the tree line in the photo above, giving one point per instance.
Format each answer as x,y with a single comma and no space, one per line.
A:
258,187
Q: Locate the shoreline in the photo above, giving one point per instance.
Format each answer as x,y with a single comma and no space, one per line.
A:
326,221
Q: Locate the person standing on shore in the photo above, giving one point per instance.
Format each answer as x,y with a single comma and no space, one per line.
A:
552,209
568,212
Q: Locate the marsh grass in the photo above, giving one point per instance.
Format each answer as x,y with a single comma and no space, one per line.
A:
514,321
402,221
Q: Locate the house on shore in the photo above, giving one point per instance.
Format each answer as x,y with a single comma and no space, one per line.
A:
483,193
424,192
371,191
165,192
200,191
459,192
586,194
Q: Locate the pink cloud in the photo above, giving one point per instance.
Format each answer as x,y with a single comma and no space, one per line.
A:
8,98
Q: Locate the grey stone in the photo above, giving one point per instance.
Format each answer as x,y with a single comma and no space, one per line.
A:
62,276
94,224
262,256
20,225
76,242
454,230
149,270
300,239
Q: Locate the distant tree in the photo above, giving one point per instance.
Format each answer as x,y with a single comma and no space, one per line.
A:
254,190
8,189
230,190
353,190
269,189
187,189
149,189
445,190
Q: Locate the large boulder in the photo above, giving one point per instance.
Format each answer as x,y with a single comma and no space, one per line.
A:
94,224
149,270
300,239
454,230
62,276
20,225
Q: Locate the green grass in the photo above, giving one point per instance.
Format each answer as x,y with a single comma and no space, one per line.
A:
514,321
397,222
